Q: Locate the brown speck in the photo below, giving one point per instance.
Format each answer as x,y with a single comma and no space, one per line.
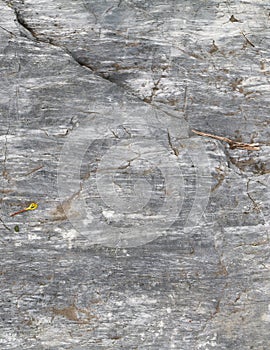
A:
73,313
233,19
213,48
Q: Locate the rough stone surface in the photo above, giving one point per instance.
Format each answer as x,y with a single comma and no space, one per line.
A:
147,236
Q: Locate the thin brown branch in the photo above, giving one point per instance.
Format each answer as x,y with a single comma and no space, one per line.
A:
232,144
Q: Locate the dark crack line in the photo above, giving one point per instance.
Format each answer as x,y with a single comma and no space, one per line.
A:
247,40
127,131
9,32
82,64
256,206
174,149
114,134
5,225
33,36
25,26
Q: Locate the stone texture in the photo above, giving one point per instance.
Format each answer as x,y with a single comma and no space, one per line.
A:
147,236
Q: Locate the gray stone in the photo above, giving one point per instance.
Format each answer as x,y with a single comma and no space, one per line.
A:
146,235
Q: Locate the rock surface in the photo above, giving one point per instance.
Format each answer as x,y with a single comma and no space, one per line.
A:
147,236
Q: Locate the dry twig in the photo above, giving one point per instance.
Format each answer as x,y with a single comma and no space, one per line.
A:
232,144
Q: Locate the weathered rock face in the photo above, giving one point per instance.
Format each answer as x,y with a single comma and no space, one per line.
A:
147,236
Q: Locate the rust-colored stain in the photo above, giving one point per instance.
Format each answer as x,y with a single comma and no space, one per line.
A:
59,212
6,191
73,313
222,270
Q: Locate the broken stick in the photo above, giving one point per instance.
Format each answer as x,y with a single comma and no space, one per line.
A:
232,144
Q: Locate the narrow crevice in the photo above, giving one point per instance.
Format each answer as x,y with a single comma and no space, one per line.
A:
25,26
174,149
75,59
9,32
32,35
256,206
128,90
5,226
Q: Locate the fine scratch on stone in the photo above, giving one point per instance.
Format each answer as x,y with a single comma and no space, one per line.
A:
184,109
9,32
5,172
